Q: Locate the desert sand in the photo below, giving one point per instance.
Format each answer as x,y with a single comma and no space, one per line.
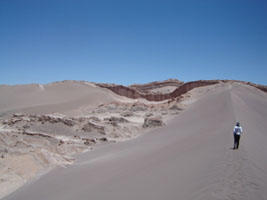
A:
44,126
189,156
54,97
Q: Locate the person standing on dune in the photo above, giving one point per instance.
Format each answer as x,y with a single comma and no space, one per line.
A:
237,133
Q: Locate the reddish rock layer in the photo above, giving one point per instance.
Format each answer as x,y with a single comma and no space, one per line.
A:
261,87
142,91
134,93
146,88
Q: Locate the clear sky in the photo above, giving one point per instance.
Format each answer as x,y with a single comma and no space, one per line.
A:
132,41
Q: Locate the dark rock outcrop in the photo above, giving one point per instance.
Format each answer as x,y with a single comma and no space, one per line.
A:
152,122
260,87
52,119
24,132
136,107
103,139
89,127
88,141
122,90
134,93
116,120
146,88
127,114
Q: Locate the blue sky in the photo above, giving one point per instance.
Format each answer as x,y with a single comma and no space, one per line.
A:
132,41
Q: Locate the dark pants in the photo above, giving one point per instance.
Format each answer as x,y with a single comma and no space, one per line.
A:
236,141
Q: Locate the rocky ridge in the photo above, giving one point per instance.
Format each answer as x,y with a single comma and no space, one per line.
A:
156,85
142,91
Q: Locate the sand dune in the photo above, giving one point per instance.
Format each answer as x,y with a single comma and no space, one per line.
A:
190,158
61,97
44,126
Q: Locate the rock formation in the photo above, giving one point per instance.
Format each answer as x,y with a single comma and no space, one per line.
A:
144,91
150,87
136,91
151,122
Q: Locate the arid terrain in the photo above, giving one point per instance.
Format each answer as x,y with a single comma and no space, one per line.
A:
161,140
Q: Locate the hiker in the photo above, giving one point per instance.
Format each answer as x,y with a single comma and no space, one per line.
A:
237,133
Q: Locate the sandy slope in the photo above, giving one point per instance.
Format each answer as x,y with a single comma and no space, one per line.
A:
54,97
59,120
191,158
